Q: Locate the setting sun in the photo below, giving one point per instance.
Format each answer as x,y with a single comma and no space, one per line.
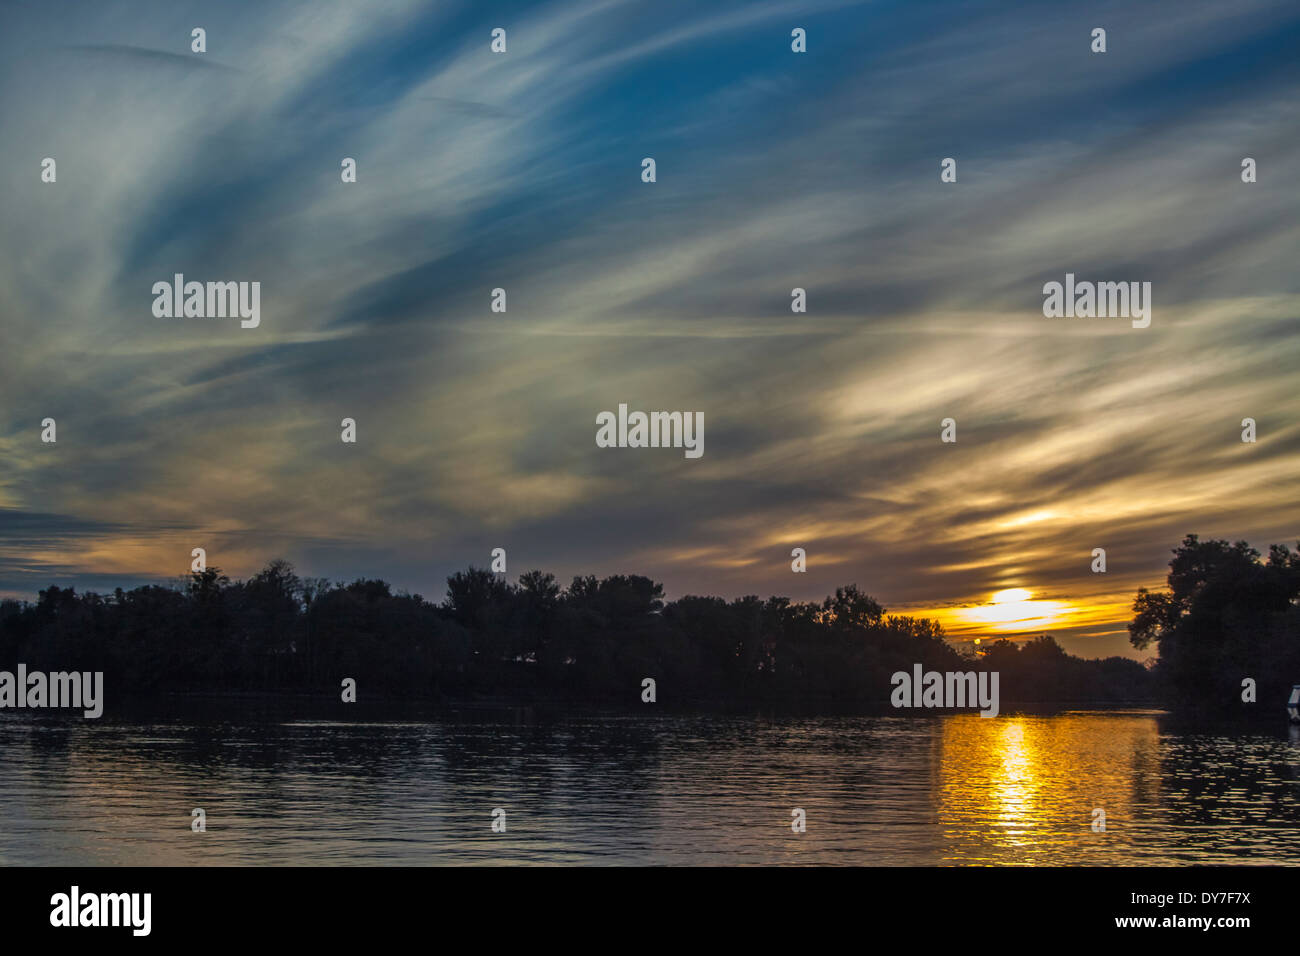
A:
1012,610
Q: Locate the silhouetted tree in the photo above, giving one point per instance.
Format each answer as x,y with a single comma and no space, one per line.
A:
594,640
1226,615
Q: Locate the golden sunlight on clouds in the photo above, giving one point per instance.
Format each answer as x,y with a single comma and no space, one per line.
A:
1015,612
1012,611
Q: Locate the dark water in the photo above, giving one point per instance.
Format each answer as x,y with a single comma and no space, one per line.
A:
615,789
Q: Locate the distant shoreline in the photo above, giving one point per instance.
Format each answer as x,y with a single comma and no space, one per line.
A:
324,704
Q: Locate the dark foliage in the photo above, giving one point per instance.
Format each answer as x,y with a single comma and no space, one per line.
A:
1226,615
594,640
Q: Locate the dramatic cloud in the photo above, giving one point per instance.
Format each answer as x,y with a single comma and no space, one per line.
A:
775,170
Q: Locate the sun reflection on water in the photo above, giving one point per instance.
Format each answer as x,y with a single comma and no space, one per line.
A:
1017,789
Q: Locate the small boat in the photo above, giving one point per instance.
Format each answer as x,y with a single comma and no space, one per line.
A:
1293,704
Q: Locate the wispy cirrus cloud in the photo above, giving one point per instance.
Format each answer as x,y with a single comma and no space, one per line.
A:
776,170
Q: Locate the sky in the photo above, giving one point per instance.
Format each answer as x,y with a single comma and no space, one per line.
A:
774,170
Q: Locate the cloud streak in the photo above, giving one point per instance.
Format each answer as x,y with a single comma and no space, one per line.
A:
775,170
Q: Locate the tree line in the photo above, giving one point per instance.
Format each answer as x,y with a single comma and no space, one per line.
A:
595,639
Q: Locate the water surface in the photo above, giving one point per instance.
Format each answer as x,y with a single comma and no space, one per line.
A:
648,789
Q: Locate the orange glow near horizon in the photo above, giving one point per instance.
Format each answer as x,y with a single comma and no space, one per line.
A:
1013,612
